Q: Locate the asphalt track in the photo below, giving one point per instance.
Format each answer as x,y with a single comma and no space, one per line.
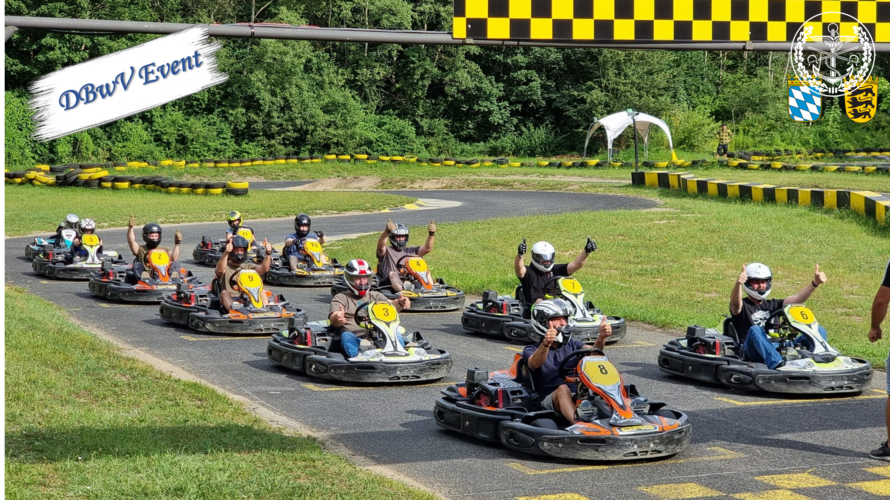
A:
743,446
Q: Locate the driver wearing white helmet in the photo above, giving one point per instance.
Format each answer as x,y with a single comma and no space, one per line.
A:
87,226
534,277
749,314
553,320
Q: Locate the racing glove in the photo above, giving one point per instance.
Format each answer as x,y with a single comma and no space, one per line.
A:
320,234
590,247
522,247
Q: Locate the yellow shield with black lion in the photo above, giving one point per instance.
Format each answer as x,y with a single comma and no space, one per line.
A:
862,103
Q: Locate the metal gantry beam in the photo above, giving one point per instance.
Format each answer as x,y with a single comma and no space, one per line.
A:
9,31
313,33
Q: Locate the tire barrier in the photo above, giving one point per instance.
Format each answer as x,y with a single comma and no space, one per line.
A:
872,205
90,176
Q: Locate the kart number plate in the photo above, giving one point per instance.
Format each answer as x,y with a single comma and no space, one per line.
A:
802,315
264,315
165,287
571,285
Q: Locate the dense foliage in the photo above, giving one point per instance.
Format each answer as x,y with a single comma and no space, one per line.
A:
293,97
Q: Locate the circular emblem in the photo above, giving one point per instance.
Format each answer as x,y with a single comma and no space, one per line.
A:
833,52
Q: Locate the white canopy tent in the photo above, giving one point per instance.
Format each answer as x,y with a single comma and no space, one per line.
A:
615,124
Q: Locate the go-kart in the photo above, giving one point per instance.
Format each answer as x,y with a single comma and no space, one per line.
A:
425,292
505,316
708,356
36,247
158,280
319,271
315,350
613,421
202,311
63,265
209,250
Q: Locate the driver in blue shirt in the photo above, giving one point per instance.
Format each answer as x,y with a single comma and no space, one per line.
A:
551,319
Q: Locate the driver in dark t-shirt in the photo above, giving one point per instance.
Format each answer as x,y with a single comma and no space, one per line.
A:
550,318
534,277
749,314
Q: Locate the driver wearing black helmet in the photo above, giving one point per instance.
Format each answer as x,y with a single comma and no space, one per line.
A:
293,243
151,235
388,257
553,320
233,260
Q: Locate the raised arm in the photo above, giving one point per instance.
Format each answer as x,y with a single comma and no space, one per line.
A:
579,261
808,289
518,264
177,240
131,236
267,260
430,239
223,261
735,297
384,236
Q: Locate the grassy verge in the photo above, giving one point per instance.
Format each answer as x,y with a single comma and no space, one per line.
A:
84,422
39,208
406,172
674,266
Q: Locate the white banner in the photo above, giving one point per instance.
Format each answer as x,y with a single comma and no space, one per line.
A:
124,83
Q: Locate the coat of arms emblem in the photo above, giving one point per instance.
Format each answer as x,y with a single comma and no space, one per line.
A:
862,103
804,101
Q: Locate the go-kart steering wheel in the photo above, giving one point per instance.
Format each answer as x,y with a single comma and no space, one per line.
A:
550,284
564,370
399,265
771,320
362,310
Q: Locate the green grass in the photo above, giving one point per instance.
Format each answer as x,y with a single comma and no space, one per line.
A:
404,172
32,209
675,266
82,421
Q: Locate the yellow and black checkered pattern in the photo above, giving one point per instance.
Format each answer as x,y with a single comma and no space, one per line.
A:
661,20
872,205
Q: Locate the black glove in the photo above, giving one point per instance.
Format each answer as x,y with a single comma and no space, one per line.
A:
590,247
523,247
320,234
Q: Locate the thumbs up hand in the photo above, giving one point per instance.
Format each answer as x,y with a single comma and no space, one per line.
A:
743,277
523,248
590,247
819,277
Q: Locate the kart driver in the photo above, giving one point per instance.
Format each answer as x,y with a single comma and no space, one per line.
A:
749,315
388,256
358,276
293,243
234,220
151,235
72,222
550,319
534,276
875,333
233,260
87,226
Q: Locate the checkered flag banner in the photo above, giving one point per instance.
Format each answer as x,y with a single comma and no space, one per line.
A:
804,102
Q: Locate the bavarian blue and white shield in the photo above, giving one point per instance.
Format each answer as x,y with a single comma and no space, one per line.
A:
804,101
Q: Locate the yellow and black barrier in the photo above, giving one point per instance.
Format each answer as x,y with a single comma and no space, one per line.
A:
868,203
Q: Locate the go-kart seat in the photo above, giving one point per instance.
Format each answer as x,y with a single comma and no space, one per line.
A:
729,331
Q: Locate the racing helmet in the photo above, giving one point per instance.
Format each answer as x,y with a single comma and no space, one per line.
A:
239,257
71,221
542,256
544,311
355,269
758,271
302,220
399,237
151,227
234,219
87,226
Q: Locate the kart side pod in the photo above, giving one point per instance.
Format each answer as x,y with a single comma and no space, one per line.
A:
698,341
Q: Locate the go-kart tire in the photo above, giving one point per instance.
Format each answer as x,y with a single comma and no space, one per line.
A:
236,192
216,185
237,185
544,423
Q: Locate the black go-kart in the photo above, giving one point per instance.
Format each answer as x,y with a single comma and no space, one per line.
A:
320,270
509,317
202,311
315,350
63,265
35,248
209,250
160,278
706,355
614,422
425,292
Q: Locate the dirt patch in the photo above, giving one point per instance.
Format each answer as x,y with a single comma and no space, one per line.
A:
340,184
